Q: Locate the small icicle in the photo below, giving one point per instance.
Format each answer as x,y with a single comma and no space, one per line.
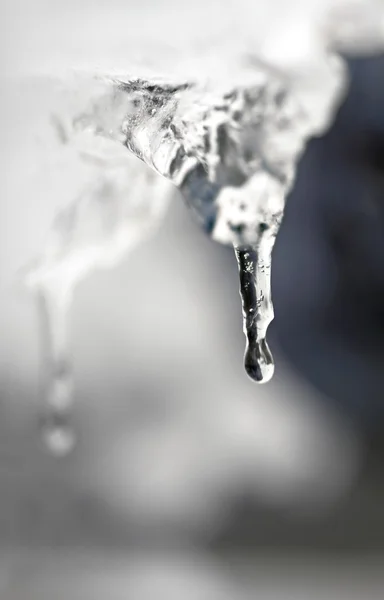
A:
55,421
255,290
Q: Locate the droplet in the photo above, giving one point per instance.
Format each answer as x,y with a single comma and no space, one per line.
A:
55,421
255,290
58,436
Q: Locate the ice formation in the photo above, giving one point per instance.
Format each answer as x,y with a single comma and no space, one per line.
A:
230,140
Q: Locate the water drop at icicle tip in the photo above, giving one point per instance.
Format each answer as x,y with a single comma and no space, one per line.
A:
58,437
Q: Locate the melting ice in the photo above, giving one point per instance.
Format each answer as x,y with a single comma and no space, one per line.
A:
230,146
231,152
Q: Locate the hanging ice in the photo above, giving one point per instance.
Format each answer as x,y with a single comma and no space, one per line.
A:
229,141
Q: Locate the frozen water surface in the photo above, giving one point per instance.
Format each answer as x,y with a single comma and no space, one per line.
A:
219,101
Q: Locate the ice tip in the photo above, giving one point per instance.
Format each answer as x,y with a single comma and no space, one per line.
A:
60,441
258,363
259,373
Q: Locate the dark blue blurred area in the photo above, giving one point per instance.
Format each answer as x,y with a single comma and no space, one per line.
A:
328,276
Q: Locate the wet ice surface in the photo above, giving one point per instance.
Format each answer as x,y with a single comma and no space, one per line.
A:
255,291
230,141
231,152
233,157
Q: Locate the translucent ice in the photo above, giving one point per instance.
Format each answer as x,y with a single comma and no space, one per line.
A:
226,122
